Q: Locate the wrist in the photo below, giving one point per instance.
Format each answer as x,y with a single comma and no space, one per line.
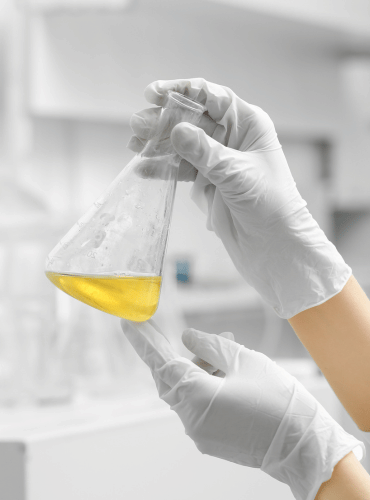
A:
307,446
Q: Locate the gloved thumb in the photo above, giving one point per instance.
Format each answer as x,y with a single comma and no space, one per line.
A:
210,157
216,350
207,367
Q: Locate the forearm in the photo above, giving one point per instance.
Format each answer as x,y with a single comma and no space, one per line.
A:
349,481
337,335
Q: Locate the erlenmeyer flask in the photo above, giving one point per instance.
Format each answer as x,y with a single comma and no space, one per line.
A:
112,258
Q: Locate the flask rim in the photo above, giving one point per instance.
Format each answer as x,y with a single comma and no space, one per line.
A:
186,101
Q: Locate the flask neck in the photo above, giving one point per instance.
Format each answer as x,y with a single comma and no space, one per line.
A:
177,109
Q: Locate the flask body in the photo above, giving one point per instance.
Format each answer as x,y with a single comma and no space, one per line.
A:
112,258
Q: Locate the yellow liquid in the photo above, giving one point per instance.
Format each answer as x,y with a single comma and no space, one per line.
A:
131,297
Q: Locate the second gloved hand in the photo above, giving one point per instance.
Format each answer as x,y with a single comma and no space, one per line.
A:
258,415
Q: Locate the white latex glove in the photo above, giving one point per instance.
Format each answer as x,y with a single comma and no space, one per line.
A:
245,187
258,415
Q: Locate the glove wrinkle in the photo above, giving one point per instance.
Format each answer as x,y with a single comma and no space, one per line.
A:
258,415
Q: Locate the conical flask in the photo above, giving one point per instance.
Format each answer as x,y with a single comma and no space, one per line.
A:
112,258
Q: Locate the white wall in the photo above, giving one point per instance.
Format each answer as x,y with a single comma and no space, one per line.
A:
337,14
100,64
96,66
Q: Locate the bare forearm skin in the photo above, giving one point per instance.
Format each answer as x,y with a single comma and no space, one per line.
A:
349,481
337,335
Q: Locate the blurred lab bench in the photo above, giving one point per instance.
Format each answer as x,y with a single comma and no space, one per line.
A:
114,450
127,448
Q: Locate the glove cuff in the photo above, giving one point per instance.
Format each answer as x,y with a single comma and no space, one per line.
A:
289,260
301,269
304,458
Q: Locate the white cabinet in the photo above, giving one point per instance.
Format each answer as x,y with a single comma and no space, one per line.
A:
129,448
117,450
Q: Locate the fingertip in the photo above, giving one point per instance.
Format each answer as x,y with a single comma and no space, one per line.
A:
191,336
134,144
188,338
227,335
134,120
155,93
184,127
183,137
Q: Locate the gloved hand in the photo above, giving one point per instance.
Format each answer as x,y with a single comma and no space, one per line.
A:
245,187
258,415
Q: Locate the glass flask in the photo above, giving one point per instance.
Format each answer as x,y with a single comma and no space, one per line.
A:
112,258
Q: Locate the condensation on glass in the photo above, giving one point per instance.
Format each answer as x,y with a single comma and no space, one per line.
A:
112,258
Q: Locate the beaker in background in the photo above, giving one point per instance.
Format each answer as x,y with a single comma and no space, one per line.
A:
112,258
33,367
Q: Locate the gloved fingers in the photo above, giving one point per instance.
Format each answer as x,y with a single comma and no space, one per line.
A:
187,172
218,351
242,126
156,351
207,367
135,144
179,372
216,98
156,91
149,343
215,161
144,122
174,393
152,168
162,387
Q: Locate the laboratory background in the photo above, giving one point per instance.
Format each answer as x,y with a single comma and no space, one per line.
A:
79,413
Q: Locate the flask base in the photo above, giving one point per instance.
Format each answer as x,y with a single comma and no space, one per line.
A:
131,297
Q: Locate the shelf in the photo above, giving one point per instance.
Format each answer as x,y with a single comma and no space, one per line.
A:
349,18
75,115
200,300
